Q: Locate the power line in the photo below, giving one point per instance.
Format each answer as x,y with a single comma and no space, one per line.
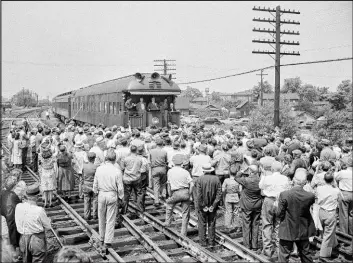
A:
259,69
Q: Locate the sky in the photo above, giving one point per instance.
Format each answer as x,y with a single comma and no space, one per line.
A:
54,47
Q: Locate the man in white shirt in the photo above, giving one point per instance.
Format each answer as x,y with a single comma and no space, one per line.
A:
327,199
31,222
180,186
108,184
271,184
344,180
98,150
198,160
80,137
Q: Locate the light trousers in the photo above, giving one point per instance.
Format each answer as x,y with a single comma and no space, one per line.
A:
107,211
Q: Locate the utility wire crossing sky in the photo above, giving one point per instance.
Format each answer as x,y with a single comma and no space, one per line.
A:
54,47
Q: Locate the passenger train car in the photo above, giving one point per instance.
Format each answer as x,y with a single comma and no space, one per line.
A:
105,102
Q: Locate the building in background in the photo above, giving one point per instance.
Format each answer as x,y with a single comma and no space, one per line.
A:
246,95
291,97
200,101
182,104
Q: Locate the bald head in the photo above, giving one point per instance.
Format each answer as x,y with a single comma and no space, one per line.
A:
300,177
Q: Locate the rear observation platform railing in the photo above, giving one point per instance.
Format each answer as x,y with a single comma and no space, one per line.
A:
149,118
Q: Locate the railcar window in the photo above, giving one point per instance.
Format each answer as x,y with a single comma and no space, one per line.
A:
100,106
111,109
105,107
114,108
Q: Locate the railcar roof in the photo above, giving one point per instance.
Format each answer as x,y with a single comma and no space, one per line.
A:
130,84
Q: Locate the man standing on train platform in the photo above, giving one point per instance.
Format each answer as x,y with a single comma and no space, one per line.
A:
109,187
180,187
32,221
141,106
129,105
131,166
163,107
152,105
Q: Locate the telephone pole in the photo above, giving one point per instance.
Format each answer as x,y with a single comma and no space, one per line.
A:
165,66
262,88
276,40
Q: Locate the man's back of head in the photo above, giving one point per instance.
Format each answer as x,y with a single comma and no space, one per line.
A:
300,177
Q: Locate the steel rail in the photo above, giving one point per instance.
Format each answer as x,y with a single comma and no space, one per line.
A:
225,240
149,245
193,248
94,236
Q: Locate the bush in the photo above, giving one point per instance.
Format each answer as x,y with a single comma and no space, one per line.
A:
261,119
337,127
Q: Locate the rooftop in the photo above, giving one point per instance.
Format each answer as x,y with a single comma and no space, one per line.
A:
286,96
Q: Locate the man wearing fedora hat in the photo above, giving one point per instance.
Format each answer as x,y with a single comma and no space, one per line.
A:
180,186
208,194
32,221
79,158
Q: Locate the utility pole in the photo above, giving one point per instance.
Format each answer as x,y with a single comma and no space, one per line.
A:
276,40
165,66
262,88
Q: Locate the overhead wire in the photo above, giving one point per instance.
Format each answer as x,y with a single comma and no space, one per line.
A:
259,69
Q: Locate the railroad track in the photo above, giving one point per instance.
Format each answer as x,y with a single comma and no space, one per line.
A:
141,237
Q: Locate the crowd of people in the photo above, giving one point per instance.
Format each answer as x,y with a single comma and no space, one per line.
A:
296,187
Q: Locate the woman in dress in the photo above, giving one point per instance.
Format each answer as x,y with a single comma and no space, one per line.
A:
16,154
47,172
66,180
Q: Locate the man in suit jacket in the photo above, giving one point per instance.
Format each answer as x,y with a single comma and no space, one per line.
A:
296,224
141,106
152,105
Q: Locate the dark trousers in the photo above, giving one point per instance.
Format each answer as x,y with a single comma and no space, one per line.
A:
24,158
128,188
35,161
207,219
222,177
144,184
33,247
286,247
251,222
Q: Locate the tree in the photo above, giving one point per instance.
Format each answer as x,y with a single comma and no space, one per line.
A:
191,93
228,104
261,119
345,87
204,112
307,106
267,88
308,92
25,98
336,127
338,100
215,96
322,92
291,85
